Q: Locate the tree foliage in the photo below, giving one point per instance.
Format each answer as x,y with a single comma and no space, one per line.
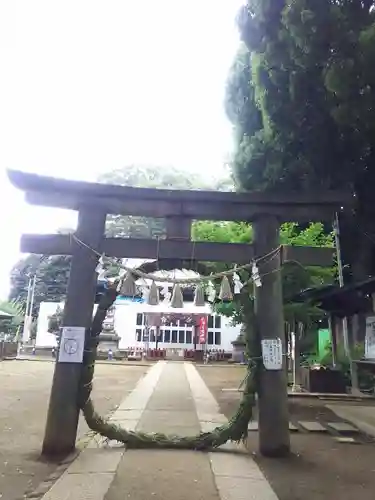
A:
52,274
301,97
11,326
294,276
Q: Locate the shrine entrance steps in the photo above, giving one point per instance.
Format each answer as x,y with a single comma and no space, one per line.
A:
171,398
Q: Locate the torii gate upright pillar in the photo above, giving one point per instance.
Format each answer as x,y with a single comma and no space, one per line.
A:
274,440
63,412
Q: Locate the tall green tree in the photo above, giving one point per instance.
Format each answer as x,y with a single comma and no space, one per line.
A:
305,75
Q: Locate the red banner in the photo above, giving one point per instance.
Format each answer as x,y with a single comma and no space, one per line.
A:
203,329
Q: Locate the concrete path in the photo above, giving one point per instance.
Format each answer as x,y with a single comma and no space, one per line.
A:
363,417
171,398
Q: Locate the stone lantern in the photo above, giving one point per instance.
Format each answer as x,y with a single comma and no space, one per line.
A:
108,338
239,346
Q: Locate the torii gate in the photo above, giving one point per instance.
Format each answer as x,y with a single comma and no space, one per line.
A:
94,201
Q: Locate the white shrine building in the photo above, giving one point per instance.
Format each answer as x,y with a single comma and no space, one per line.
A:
129,324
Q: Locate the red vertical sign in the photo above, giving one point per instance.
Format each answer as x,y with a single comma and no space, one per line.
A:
203,329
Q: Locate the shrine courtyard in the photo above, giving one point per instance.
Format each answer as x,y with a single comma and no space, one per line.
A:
24,394
320,466
179,398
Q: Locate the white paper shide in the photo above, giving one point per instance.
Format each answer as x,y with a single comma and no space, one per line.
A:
72,344
272,354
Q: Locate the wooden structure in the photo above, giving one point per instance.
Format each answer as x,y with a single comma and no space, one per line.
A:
354,302
94,201
345,301
337,302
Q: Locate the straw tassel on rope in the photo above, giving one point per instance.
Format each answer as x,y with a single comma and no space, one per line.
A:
153,296
128,286
199,296
225,294
177,301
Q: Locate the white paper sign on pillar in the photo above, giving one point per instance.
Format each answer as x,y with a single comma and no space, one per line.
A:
272,354
72,344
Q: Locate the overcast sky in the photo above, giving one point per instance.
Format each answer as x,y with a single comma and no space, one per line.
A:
92,85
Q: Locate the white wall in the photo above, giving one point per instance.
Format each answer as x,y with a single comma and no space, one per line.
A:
126,327
43,337
229,333
125,324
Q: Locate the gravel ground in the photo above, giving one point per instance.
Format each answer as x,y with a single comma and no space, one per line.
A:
319,467
24,393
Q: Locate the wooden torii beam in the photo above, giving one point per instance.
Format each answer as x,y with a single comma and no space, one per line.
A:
241,253
179,208
165,203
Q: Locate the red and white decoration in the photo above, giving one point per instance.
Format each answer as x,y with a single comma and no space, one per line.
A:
203,329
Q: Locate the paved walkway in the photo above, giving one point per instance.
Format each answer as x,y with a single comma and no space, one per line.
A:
171,398
362,417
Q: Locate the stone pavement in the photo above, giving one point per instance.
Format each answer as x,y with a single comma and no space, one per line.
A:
171,398
363,417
